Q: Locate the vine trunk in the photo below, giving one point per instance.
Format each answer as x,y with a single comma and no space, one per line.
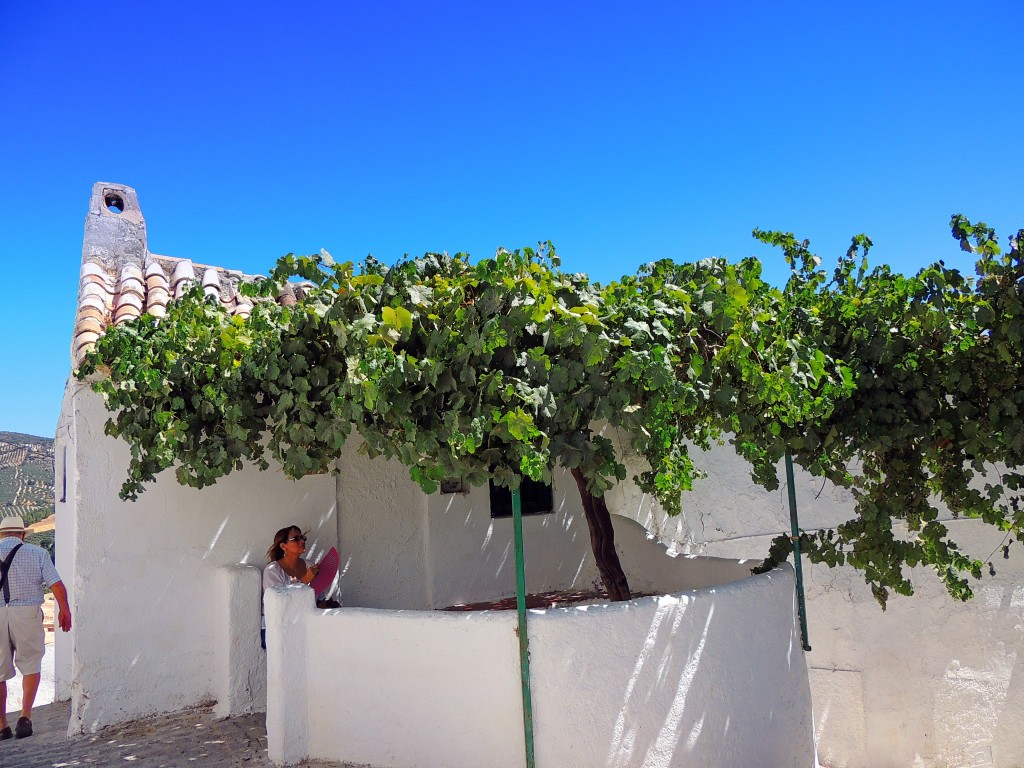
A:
602,540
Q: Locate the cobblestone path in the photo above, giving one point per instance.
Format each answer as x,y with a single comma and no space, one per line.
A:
191,738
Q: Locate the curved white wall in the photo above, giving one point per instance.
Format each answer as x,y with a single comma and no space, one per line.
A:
709,677
650,567
930,682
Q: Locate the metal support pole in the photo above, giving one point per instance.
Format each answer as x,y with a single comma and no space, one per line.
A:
524,639
795,538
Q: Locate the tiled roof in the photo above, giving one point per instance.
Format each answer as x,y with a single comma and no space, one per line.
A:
111,297
118,285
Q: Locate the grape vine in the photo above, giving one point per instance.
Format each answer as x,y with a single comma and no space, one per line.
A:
505,367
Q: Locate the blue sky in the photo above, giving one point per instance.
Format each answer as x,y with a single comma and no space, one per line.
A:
624,133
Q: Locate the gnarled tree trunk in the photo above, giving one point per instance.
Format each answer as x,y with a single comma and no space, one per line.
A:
602,540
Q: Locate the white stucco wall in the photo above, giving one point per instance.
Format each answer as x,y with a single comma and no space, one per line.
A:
241,665
381,533
148,606
710,677
66,534
394,688
404,549
472,556
930,683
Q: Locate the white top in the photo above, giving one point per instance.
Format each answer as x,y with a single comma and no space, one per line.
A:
274,576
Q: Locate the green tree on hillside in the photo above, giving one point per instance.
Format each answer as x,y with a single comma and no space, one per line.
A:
44,539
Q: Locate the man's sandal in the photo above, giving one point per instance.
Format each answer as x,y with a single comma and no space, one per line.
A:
23,728
6,734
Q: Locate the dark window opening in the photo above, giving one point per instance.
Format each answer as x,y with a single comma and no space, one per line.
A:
537,499
63,474
113,202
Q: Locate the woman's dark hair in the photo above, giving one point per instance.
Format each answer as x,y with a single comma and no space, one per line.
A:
275,552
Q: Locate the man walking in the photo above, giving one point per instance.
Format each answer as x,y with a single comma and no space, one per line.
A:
25,570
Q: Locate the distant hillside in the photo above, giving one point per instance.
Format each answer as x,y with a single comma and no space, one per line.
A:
18,437
26,476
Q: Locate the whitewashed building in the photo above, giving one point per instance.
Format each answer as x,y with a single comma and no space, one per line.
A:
166,592
708,671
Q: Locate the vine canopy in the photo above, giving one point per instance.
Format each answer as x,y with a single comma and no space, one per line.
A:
904,389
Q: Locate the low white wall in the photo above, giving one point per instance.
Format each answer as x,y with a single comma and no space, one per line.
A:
391,688
930,682
241,662
711,677
148,605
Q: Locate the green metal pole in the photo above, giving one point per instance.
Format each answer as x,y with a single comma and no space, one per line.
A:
794,524
524,639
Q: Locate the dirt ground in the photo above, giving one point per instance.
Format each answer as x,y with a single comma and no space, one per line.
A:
48,524
49,611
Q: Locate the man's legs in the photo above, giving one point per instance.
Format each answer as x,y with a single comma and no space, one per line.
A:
29,686
25,625
6,662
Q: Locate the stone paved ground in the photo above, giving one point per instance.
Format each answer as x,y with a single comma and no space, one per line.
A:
192,738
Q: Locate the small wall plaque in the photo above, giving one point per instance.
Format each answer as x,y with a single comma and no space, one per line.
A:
453,485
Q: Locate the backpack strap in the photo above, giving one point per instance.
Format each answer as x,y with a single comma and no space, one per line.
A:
5,568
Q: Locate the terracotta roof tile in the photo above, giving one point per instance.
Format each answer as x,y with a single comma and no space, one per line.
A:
182,278
155,276
286,298
211,283
243,308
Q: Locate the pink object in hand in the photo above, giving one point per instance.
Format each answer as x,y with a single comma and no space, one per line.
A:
328,570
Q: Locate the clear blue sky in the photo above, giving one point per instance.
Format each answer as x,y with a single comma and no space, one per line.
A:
622,132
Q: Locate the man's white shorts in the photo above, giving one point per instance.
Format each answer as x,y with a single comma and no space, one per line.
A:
21,639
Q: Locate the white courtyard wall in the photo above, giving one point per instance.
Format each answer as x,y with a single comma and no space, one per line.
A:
144,576
712,677
929,683
709,677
